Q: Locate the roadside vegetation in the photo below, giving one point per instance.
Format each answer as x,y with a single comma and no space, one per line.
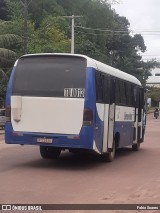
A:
100,33
154,94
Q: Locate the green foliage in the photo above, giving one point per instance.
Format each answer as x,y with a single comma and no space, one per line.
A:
3,83
40,9
8,39
7,57
100,33
3,10
49,37
15,10
124,52
154,94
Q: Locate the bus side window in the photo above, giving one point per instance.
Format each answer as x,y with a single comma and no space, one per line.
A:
140,104
117,93
112,90
142,98
134,98
107,89
122,93
128,93
99,79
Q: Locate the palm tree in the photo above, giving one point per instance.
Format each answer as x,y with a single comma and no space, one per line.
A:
7,56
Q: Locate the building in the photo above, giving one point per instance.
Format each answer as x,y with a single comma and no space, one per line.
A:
153,81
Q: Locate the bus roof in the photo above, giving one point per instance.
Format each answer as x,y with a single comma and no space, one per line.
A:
97,65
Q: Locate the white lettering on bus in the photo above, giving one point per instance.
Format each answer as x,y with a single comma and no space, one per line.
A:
128,116
74,92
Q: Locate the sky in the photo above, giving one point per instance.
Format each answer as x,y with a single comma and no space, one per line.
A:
143,15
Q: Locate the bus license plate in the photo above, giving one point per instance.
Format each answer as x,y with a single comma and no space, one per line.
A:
44,140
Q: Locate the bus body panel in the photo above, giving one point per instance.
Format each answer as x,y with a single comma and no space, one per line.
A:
125,130
106,128
48,114
99,128
124,124
84,140
58,121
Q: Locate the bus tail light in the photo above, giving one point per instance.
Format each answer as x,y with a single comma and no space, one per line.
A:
87,117
8,113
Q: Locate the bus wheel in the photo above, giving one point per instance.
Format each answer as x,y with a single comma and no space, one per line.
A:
109,156
136,147
49,152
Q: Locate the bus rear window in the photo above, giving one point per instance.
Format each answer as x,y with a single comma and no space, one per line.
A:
49,76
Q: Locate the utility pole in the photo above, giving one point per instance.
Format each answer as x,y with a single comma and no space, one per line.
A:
72,33
25,4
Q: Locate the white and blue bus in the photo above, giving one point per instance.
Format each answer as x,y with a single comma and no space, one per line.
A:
65,101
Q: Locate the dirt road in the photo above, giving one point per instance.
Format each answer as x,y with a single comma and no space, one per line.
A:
133,177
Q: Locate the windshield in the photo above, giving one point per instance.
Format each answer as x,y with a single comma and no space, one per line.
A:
50,76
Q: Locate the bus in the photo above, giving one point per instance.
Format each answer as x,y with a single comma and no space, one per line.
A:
73,102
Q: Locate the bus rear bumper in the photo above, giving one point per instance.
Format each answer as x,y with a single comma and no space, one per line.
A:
84,140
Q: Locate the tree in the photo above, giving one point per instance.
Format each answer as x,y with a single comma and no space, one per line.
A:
3,10
154,94
40,9
115,46
49,37
101,33
7,57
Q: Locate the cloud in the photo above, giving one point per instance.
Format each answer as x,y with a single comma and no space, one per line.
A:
143,15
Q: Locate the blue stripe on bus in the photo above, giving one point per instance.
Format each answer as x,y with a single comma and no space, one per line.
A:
85,141
98,133
125,129
90,102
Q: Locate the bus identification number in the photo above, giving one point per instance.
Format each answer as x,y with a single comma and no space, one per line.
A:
74,92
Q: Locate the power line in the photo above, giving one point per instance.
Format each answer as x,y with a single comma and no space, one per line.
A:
151,55
101,30
98,34
156,31
143,32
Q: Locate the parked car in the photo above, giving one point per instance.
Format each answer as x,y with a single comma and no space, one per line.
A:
2,118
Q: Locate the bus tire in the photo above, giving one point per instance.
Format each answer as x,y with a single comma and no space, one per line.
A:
109,156
49,152
136,147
